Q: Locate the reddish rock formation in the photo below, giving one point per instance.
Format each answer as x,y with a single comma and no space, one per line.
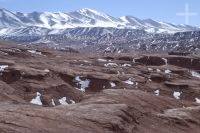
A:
130,95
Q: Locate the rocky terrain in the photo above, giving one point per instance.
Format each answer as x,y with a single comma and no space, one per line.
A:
47,90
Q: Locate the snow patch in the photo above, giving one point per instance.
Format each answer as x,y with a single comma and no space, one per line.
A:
112,84
46,70
126,65
72,101
158,70
165,60
85,61
110,64
197,100
3,67
36,100
52,102
82,83
157,92
195,74
102,60
129,82
63,101
150,69
177,95
34,52
167,71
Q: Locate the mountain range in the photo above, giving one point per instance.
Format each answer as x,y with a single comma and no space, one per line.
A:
56,22
87,29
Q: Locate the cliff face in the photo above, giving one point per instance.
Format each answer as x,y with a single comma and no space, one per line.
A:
45,90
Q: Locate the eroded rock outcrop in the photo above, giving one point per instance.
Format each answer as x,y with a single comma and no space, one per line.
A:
57,91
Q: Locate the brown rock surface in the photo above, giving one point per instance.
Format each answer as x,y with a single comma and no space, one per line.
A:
112,93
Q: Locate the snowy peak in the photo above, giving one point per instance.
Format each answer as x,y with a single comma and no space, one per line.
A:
152,23
92,18
84,18
88,12
9,19
132,22
97,15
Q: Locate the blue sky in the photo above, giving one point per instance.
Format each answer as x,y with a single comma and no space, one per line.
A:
161,10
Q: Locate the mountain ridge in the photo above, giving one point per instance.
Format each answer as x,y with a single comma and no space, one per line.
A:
87,30
84,18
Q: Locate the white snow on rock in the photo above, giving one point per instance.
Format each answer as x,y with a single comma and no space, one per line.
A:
111,64
34,52
197,100
177,95
150,69
167,71
126,65
72,101
3,67
118,72
63,101
36,100
52,102
195,74
166,62
112,84
83,83
47,70
83,90
102,60
3,53
85,61
129,82
158,70
157,92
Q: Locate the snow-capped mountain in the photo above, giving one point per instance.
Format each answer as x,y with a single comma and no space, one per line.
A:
56,22
91,31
